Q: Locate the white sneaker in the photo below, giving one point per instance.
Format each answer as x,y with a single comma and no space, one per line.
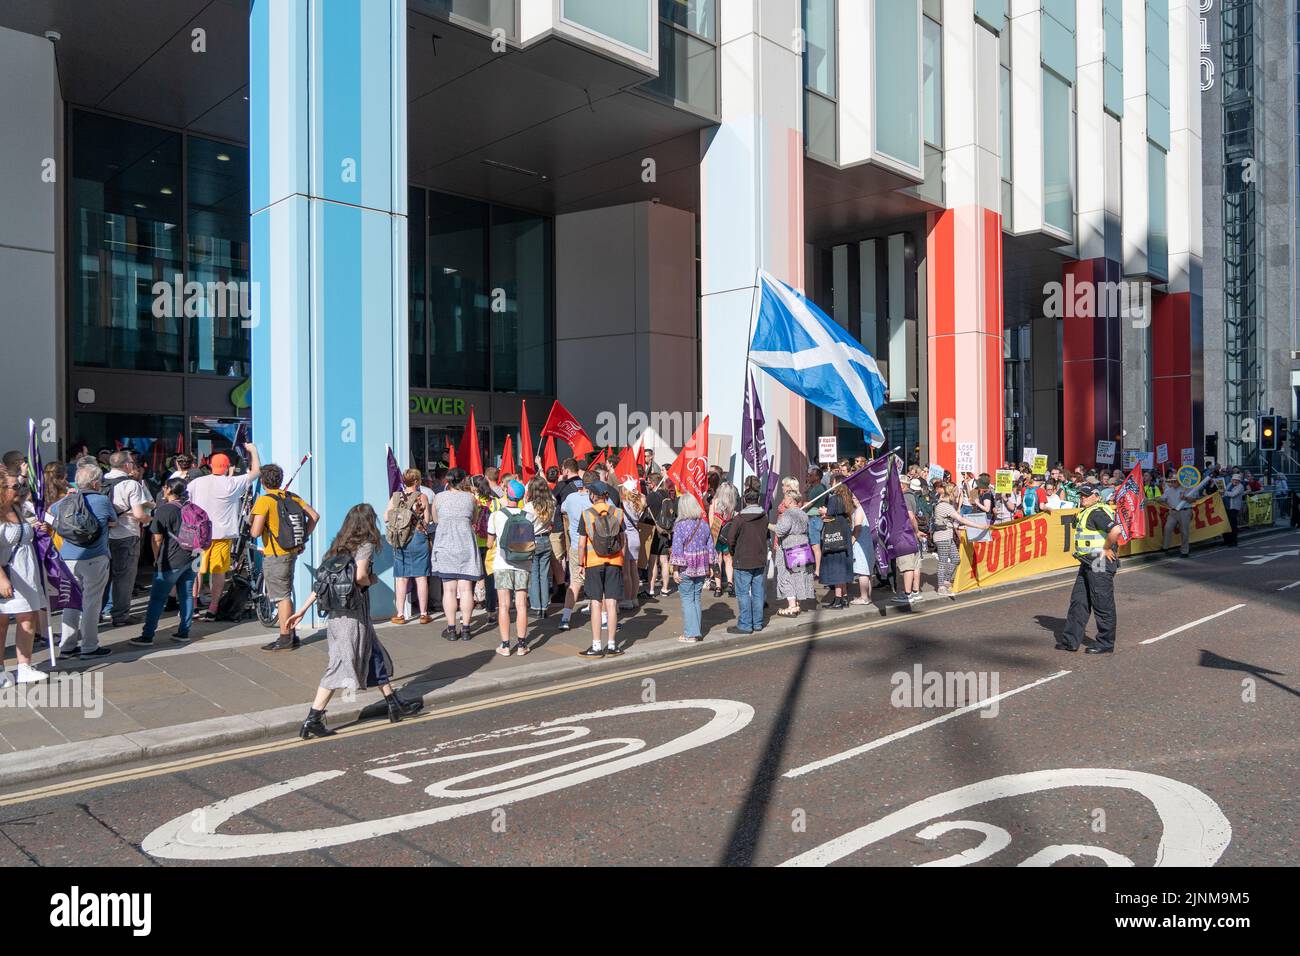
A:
5,680
27,674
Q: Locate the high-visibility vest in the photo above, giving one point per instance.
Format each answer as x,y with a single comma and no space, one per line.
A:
1088,542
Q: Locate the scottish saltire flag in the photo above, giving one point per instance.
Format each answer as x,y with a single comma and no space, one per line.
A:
802,348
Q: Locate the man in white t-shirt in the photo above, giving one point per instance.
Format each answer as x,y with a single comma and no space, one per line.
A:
133,504
219,495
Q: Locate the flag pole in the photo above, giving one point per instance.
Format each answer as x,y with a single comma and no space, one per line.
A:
829,490
749,342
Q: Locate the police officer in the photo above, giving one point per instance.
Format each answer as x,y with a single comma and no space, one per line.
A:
1096,536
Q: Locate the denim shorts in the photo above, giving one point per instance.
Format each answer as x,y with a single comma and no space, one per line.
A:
815,530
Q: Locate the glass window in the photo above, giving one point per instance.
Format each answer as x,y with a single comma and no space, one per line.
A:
124,215
153,437
1158,247
819,45
932,80
819,126
694,15
521,308
898,102
217,241
1004,96
491,14
624,21
417,327
458,293
687,70
1058,199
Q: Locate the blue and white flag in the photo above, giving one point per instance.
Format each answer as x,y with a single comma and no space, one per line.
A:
802,348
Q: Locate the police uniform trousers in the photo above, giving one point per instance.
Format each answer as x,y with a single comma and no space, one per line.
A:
1093,596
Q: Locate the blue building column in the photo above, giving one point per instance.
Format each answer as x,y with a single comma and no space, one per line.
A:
327,132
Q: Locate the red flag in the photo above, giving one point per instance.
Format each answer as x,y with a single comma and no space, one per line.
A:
451,456
508,458
598,459
180,439
469,451
640,452
625,467
549,460
527,467
565,427
690,469
1130,505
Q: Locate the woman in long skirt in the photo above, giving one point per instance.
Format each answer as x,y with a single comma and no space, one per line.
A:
357,658
791,531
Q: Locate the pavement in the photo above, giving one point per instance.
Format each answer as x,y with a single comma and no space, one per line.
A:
222,689
812,747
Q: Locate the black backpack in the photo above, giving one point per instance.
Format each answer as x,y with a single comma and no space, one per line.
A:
233,605
75,523
835,535
106,489
292,531
667,516
336,584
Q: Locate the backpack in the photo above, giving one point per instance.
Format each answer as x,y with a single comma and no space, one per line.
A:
835,535
291,534
336,584
667,516
518,540
196,528
233,605
402,524
106,488
75,523
605,532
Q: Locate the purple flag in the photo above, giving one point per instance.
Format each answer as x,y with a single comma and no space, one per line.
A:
394,474
753,444
878,492
35,470
58,576
771,483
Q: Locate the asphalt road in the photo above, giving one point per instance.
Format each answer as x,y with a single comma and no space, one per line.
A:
812,751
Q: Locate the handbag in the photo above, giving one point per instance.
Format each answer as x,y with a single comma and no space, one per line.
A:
798,557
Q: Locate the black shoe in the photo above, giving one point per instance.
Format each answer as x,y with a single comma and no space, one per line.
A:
450,633
731,591
284,642
1066,647
612,652
180,638
464,634
1099,650
70,652
736,630
314,726
100,651
141,641
594,653
398,708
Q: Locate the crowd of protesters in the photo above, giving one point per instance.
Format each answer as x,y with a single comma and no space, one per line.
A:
468,550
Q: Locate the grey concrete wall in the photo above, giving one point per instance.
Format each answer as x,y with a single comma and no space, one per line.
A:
625,312
31,365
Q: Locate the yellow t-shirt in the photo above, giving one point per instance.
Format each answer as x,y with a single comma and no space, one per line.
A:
265,505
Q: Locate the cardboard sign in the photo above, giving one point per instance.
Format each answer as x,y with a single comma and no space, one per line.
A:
965,457
1105,453
1144,459
827,449
1030,455
1189,456
1005,482
1040,464
936,473
1162,454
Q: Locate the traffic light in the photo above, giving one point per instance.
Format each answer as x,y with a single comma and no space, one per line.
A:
1293,435
1269,433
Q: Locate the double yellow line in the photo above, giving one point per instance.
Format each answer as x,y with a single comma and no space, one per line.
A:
455,710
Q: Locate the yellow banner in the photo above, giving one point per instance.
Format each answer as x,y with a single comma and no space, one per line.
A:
1259,509
1005,482
1044,542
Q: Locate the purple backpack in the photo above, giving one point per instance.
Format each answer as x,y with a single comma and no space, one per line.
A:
196,528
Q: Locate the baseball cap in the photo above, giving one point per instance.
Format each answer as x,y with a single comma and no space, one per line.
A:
219,463
514,489
1086,490
600,488
915,484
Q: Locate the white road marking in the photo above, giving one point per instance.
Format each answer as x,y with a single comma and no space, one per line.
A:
1266,558
194,836
1194,831
898,735
1288,587
1191,624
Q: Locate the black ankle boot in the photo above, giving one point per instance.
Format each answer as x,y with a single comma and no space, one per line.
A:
314,725
398,708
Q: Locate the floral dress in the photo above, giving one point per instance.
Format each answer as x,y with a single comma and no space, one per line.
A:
791,530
